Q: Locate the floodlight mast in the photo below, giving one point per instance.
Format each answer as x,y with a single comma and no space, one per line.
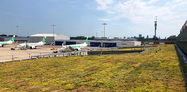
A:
104,27
155,29
104,32
17,34
53,36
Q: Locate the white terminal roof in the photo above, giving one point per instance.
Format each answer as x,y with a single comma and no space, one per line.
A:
57,36
48,35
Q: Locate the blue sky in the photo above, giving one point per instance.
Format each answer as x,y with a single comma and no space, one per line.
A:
85,17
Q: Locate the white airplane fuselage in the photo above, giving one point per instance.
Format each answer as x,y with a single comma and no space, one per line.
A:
30,45
77,47
74,47
7,42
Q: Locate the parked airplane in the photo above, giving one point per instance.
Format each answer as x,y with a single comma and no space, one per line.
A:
75,47
32,45
7,42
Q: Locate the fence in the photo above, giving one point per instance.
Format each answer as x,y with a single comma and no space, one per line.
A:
67,54
20,57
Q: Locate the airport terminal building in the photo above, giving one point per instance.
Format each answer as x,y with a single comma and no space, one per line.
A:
49,38
19,39
63,39
100,43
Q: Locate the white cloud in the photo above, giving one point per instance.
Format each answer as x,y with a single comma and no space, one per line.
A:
139,11
110,12
152,1
116,24
177,1
135,10
171,14
103,4
104,19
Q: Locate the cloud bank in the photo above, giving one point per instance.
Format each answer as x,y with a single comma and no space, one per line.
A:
139,11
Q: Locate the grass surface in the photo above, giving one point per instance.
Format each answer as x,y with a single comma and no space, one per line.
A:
124,49
129,72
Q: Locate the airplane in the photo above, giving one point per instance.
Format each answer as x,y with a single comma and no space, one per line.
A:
75,47
32,45
7,42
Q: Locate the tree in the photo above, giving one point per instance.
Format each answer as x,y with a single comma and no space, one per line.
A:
93,37
154,38
3,35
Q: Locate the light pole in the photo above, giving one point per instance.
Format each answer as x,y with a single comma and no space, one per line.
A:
101,33
104,32
17,34
96,34
53,36
155,29
104,28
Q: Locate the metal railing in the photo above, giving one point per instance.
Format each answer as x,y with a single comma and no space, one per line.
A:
20,57
67,54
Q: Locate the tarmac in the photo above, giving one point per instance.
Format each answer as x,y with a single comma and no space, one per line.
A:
6,54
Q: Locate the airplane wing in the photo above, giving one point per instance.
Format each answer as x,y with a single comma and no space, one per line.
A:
31,45
72,49
79,49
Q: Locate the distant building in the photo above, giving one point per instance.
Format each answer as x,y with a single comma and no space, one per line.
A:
161,42
103,37
116,37
49,37
140,35
147,37
172,38
19,39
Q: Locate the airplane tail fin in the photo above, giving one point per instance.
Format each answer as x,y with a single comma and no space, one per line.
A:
62,44
44,39
86,40
12,39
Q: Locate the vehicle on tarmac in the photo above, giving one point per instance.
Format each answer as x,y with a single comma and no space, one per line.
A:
7,42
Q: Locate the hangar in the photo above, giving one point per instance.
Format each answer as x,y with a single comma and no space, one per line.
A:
20,39
49,37
61,38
